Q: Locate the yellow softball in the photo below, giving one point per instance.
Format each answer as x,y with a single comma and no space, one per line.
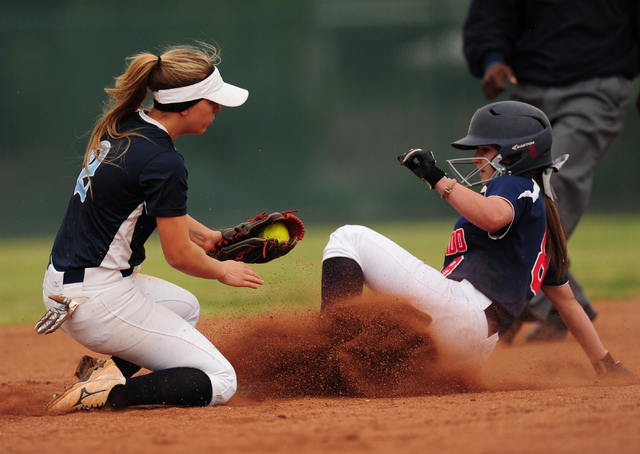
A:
278,231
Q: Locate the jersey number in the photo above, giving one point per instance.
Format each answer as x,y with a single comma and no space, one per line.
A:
452,266
540,267
82,184
457,243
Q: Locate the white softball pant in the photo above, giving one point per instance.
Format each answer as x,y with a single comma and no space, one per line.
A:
142,319
459,324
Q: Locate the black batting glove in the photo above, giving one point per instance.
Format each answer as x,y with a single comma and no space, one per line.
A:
423,164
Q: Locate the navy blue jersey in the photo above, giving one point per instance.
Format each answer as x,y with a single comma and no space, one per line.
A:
107,223
507,266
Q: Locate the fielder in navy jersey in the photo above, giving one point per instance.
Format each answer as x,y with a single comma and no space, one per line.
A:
507,245
107,223
133,181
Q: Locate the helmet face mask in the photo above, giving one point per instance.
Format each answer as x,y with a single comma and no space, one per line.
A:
520,132
473,178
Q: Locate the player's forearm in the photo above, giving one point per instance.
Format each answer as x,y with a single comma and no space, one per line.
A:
185,256
576,320
202,236
191,260
583,331
184,253
201,266
488,213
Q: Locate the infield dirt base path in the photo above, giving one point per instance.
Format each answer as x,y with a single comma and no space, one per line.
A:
534,398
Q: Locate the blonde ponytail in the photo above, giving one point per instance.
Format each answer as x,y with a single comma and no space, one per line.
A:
178,66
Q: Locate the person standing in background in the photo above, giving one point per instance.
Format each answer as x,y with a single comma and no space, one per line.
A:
573,60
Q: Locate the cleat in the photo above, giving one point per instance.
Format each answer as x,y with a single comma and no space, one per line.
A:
90,392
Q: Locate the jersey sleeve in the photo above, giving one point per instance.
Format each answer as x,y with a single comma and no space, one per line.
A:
520,192
551,278
164,184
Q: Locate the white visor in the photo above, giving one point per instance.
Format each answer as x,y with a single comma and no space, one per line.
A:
212,88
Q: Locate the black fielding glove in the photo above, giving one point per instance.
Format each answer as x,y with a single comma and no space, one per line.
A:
244,243
423,164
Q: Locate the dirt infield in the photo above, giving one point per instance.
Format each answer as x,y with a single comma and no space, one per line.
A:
531,398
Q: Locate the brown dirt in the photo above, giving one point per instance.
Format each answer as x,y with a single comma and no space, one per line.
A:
303,389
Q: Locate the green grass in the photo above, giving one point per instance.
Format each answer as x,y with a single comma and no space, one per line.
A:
603,252
22,267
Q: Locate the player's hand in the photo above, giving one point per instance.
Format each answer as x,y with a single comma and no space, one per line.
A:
237,274
423,164
613,370
211,239
57,315
493,81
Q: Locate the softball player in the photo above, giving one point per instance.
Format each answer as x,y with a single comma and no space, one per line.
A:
502,250
133,180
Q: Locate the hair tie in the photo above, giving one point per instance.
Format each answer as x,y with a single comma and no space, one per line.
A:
159,61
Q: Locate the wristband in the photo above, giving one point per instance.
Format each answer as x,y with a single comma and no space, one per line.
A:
448,189
433,176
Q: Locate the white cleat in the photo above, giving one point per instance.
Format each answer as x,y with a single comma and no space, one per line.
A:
89,392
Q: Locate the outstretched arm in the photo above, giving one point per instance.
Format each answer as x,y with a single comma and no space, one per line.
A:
487,213
576,320
181,239
583,331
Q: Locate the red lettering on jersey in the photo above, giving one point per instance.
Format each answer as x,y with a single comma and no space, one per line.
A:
457,243
452,266
540,267
533,152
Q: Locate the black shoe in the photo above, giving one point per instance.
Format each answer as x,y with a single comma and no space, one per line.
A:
553,328
591,312
547,330
507,338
